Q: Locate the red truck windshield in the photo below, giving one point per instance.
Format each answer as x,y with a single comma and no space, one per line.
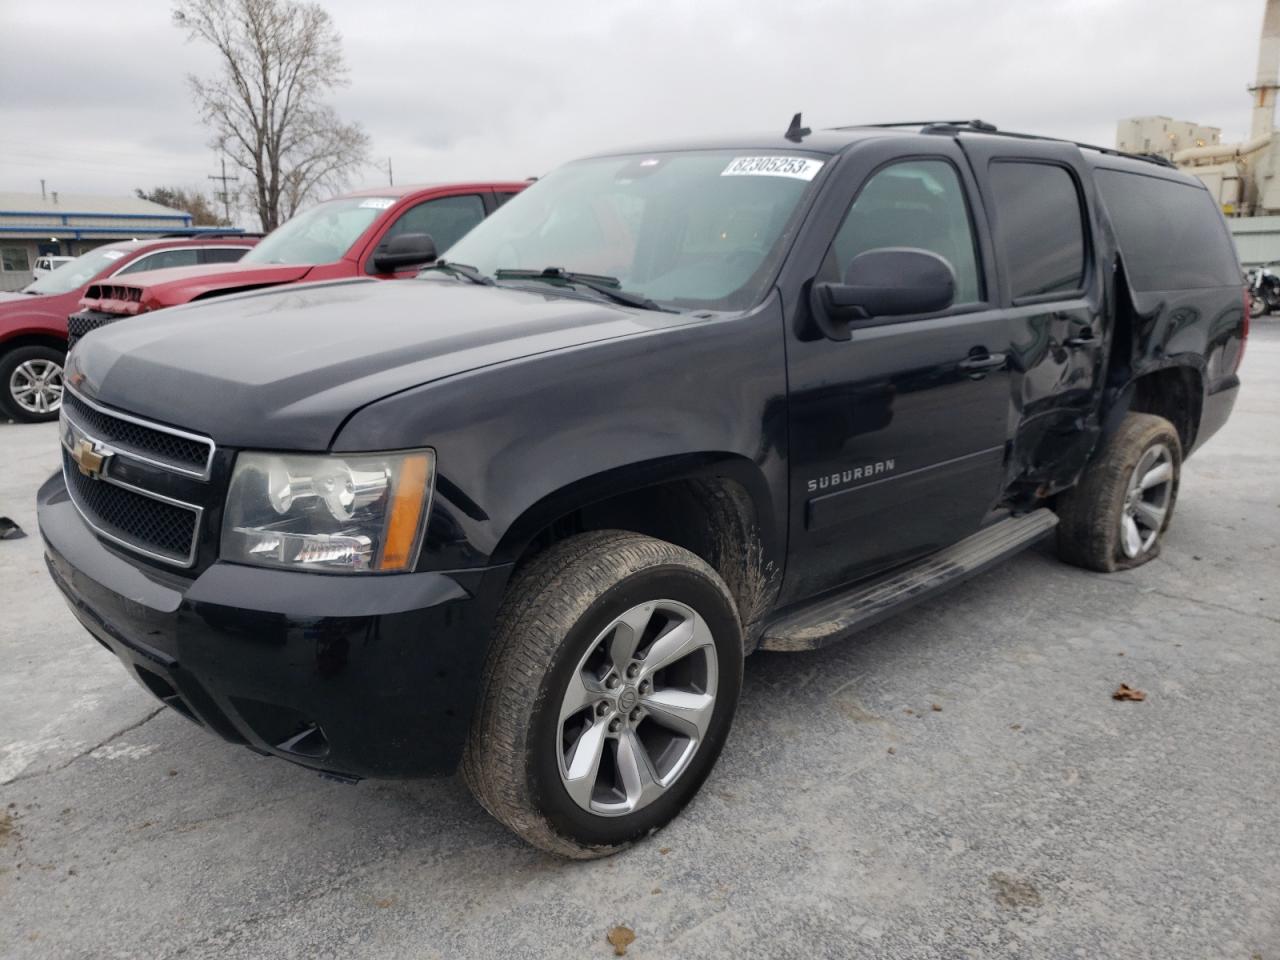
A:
322,234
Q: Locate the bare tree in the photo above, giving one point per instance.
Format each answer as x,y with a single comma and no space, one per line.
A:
278,59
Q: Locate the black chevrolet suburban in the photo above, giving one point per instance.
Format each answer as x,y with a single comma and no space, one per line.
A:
527,514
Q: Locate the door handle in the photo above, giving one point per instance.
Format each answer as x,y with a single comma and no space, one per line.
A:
983,362
1083,339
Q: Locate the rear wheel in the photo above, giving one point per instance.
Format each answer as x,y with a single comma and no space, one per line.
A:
611,685
1114,517
1257,306
31,383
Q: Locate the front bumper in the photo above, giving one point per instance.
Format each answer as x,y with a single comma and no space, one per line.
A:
360,676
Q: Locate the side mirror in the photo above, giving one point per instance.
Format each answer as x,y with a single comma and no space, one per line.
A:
889,282
406,250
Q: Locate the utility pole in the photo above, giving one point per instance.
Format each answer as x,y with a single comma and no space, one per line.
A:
390,179
225,196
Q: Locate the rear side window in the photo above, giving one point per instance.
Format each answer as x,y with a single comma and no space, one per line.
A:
1171,234
221,254
1040,226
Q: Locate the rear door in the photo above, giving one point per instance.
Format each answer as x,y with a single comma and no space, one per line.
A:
897,435
1043,214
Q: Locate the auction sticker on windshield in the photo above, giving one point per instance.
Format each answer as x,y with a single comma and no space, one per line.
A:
377,203
799,168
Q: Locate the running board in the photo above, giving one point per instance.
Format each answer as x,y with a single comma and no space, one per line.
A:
837,617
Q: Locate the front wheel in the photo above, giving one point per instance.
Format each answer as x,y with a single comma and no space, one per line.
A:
1257,306
610,688
1114,516
31,383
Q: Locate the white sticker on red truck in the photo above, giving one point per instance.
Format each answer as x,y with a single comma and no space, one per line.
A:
798,168
377,203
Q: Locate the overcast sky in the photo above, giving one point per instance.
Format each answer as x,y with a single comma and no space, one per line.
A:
95,98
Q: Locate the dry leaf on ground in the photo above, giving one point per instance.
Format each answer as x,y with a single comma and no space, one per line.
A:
1126,692
621,938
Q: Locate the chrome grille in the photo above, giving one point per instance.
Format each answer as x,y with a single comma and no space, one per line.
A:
109,459
159,528
168,447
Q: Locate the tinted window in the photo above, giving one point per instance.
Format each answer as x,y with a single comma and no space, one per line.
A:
163,259
919,203
503,197
221,254
446,219
1041,232
1171,234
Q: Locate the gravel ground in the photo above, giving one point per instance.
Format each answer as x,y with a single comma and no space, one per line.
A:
1030,816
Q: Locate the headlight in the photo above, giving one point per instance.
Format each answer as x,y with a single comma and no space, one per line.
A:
364,512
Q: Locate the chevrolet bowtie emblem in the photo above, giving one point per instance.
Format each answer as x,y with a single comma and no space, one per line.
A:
88,459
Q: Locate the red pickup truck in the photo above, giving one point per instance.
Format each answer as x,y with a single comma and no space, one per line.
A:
376,233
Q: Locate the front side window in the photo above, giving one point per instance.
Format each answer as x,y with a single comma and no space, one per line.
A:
1040,227
915,203
323,234
695,229
445,219
162,259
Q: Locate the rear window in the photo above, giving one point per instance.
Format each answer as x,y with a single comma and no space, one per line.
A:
1040,226
1171,234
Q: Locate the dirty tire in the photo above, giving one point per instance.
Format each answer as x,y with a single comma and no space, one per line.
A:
554,610
1090,513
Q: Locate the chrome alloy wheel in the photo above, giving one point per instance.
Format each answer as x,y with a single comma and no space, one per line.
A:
36,386
637,707
1146,501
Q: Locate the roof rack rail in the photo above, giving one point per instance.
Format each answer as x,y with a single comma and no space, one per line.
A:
952,127
213,234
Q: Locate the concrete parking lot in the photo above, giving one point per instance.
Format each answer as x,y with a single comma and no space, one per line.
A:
958,784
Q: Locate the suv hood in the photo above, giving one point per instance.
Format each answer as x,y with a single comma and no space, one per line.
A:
283,369
156,289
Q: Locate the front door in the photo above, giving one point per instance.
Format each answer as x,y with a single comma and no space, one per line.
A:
898,434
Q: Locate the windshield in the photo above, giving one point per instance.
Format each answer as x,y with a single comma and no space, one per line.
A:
702,229
75,274
322,234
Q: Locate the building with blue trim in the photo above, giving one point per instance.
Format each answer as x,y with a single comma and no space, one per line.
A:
32,225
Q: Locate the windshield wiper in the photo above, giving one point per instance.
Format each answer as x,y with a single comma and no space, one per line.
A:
459,270
609,287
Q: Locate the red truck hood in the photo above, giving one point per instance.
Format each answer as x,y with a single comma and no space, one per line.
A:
155,289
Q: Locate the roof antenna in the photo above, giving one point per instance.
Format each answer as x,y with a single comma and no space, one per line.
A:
796,132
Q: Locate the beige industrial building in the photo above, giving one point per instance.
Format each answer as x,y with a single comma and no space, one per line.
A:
1244,177
1163,136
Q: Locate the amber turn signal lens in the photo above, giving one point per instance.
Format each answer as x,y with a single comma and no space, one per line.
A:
407,505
